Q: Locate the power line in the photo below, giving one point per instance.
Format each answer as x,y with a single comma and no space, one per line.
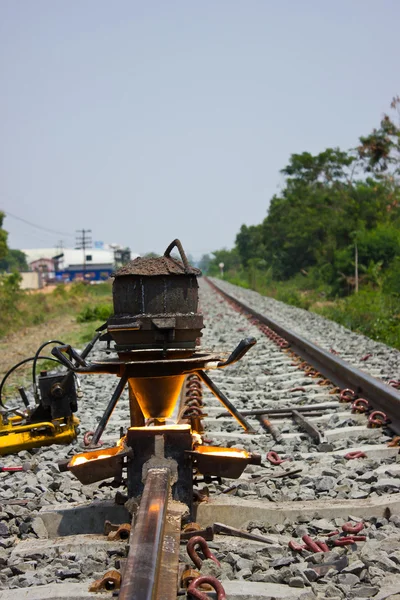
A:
37,226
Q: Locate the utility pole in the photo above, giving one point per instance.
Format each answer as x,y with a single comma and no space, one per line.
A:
83,241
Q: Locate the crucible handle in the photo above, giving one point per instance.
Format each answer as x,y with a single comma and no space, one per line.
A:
238,352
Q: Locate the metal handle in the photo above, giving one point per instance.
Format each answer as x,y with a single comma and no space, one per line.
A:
58,352
238,353
176,243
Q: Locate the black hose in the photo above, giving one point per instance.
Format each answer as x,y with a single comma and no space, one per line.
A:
18,365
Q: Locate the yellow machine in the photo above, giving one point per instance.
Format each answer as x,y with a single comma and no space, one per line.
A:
16,434
48,417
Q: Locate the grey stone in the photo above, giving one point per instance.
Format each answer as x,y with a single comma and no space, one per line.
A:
324,484
322,525
331,591
231,558
376,558
243,563
296,582
209,567
367,477
386,484
349,579
20,568
365,591
244,573
68,573
3,557
358,494
395,519
4,530
355,567
282,562
311,574
39,528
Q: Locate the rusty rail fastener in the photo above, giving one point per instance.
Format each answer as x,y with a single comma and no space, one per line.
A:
274,458
87,439
355,454
347,395
377,419
197,540
349,528
360,405
188,576
196,583
109,582
314,546
346,541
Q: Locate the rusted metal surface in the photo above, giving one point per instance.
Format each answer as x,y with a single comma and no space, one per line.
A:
265,422
194,591
283,411
96,465
377,419
156,304
191,546
234,531
166,444
381,396
187,577
223,462
109,582
207,533
308,427
117,532
143,564
153,267
169,569
274,458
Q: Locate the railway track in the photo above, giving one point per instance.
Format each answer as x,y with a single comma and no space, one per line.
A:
306,484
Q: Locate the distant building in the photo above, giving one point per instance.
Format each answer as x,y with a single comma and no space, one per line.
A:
70,264
43,266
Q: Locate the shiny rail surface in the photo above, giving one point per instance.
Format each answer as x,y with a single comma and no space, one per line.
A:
140,578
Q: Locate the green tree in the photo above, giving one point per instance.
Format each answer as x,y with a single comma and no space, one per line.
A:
3,238
249,243
14,260
204,263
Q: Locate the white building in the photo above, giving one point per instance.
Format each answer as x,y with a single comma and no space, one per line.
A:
70,264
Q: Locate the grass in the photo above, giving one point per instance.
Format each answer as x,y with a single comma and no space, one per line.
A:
21,309
371,313
36,317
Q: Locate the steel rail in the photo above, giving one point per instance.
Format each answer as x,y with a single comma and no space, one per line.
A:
383,397
141,573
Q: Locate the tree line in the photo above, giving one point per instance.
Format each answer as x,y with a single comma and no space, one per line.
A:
335,222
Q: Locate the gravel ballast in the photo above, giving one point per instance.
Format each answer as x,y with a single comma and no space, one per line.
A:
264,378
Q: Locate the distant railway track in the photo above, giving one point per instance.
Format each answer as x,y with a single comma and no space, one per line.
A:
382,397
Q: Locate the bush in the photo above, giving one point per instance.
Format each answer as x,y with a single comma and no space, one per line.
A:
391,283
101,312
374,314
291,296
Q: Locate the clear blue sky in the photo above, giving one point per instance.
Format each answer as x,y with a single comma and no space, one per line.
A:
146,121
